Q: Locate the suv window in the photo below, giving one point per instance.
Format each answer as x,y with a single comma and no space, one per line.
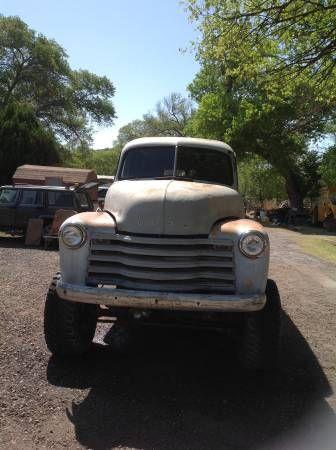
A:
8,196
82,200
60,199
30,197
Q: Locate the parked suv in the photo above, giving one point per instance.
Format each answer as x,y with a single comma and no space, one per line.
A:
20,203
172,246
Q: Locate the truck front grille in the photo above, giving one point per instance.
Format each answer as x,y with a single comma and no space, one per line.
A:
162,264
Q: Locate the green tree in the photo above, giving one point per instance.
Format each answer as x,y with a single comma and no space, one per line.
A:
271,35
170,118
172,115
23,140
328,166
244,99
277,128
35,71
259,181
136,129
103,161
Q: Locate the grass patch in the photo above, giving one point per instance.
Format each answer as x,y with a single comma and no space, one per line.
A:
322,245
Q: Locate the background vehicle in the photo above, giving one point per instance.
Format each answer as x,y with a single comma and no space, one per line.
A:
102,191
324,208
57,176
104,182
18,204
170,247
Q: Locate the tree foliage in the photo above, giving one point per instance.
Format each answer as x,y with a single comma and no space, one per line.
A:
103,161
23,140
275,35
169,119
258,180
246,100
35,71
328,166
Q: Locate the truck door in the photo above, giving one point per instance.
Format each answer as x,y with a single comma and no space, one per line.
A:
8,200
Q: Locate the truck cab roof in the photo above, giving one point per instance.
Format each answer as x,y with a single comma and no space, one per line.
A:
175,141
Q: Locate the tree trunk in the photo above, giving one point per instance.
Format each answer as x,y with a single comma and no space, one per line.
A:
293,190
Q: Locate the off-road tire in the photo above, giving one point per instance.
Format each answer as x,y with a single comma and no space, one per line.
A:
259,348
69,327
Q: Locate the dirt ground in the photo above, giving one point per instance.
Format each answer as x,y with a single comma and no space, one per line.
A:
177,389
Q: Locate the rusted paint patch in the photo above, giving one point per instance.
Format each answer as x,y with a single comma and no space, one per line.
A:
92,219
237,226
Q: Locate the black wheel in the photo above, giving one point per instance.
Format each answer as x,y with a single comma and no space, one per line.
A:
261,333
69,327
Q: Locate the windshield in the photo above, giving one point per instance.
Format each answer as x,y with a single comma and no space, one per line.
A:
148,162
204,164
192,163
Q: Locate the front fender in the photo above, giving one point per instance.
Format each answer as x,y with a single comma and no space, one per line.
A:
73,262
251,273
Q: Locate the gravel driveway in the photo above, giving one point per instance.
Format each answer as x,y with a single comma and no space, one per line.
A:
178,389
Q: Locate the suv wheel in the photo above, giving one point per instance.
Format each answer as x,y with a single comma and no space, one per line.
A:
261,335
69,327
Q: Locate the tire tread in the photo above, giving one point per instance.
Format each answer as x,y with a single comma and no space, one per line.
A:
261,340
69,327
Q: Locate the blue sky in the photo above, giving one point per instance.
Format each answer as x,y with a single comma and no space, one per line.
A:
135,43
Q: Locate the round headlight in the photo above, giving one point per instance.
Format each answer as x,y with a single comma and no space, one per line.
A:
73,236
252,244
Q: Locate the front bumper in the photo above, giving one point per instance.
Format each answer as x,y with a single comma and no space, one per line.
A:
160,300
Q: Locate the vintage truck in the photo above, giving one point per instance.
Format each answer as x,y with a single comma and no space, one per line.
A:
171,246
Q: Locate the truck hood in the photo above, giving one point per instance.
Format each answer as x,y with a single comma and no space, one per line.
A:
170,207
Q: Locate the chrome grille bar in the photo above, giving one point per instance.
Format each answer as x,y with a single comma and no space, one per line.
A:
162,264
